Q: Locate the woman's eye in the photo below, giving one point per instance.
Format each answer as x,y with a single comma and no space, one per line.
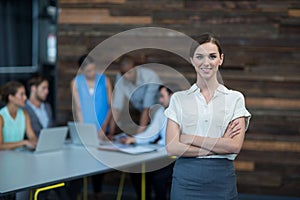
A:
199,57
212,57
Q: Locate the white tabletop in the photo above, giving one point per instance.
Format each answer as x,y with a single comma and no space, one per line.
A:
23,170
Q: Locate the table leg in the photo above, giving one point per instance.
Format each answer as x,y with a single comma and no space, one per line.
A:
85,188
121,185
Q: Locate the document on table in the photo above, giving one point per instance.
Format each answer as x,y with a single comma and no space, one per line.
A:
130,149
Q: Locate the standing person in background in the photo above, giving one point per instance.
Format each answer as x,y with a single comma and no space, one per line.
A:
206,129
134,85
39,110
92,96
138,86
14,121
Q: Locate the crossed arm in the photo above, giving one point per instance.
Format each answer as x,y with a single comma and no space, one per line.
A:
192,146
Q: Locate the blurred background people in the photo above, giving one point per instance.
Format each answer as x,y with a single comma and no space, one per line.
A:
158,180
14,121
39,110
92,96
132,84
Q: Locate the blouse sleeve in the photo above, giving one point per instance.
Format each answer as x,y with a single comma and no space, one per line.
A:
241,111
172,112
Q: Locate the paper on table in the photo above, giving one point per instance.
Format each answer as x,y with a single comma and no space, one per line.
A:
137,150
127,148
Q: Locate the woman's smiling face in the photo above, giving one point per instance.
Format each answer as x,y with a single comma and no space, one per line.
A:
206,60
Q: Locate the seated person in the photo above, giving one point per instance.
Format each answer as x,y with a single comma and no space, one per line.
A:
14,121
159,179
39,110
40,113
157,128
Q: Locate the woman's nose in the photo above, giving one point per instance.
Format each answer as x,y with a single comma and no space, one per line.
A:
206,61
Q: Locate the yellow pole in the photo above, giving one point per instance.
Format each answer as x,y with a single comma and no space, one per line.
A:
143,194
47,188
121,186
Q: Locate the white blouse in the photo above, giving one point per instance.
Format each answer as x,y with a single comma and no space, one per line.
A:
194,116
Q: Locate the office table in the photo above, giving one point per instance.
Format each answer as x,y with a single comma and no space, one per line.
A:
25,170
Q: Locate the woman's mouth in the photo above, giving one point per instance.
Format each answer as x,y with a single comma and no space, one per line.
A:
206,69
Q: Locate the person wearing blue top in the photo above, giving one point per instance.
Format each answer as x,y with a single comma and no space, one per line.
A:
91,97
156,133
14,121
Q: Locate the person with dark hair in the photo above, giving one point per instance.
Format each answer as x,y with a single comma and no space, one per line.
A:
205,129
91,97
1,104
155,133
157,127
14,121
138,86
39,110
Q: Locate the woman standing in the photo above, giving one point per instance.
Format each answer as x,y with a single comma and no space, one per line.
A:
14,121
92,96
206,129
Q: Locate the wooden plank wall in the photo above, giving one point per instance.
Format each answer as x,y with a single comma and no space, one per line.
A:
261,41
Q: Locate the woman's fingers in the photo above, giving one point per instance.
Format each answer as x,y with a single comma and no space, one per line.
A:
235,131
234,124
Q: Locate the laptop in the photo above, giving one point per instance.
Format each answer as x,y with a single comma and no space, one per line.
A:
87,134
75,139
82,133
51,139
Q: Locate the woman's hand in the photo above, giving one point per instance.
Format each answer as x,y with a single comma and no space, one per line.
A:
102,136
232,129
29,144
127,140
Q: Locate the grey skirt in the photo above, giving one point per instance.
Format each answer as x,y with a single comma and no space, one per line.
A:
203,178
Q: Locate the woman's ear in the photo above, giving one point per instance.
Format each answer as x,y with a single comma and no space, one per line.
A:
191,59
10,97
221,59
